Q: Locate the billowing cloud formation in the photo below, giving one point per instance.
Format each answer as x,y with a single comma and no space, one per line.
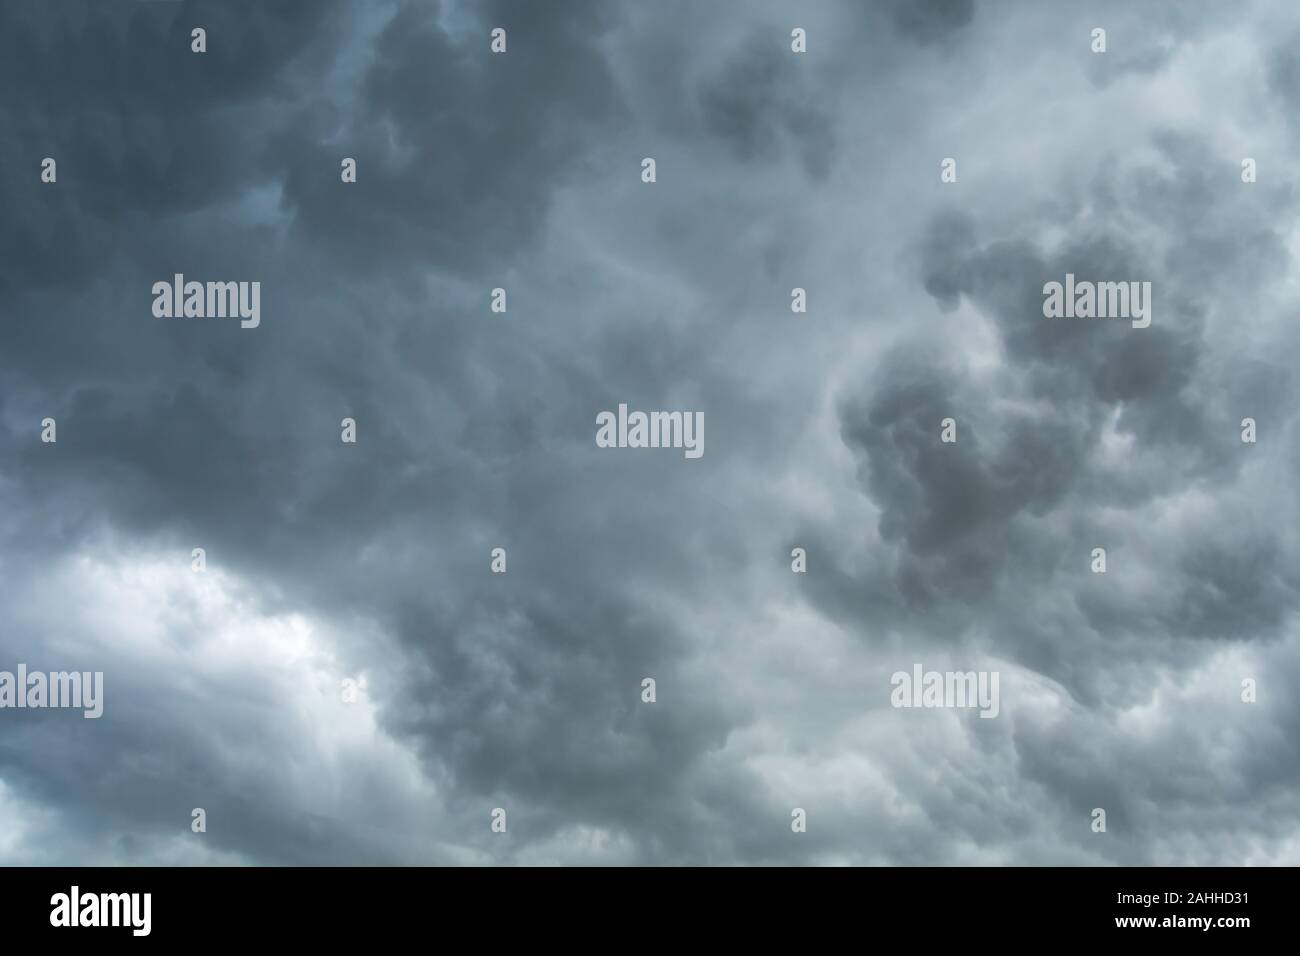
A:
369,562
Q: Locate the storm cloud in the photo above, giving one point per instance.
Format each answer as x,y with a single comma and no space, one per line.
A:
370,563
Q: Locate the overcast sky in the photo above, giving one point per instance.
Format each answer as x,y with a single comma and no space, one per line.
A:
329,561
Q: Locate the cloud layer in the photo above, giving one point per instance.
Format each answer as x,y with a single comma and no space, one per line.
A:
330,561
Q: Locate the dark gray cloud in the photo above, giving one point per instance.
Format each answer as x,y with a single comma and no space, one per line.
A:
926,21
475,430
759,104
